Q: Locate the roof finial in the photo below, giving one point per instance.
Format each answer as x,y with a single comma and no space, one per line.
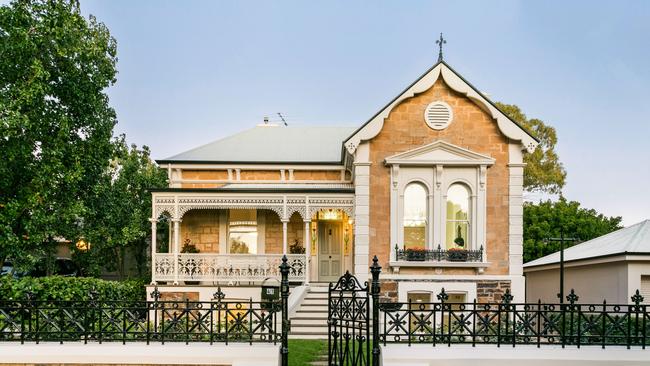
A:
440,42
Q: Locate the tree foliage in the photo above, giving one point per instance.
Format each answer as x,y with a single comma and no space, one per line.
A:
549,219
55,121
119,210
544,171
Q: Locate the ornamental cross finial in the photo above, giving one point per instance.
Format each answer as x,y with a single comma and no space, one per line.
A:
440,42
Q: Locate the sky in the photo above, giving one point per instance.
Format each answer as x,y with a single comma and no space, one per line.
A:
191,72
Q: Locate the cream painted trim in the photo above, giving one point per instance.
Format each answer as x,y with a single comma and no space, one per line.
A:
252,181
433,277
443,264
434,288
245,167
506,126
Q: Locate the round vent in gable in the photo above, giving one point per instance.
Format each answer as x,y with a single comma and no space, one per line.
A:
438,115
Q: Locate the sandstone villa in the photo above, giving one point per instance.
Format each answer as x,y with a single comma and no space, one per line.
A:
431,184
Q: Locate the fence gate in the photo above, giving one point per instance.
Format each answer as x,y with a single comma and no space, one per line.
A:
349,322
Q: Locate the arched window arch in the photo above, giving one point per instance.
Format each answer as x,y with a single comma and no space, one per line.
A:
458,217
415,216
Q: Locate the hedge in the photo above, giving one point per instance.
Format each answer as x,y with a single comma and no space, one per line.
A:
58,288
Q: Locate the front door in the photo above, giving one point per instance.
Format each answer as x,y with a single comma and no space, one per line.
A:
329,251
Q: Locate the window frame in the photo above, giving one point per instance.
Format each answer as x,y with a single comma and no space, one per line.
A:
469,244
252,246
427,216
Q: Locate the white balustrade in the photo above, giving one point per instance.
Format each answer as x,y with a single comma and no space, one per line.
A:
227,267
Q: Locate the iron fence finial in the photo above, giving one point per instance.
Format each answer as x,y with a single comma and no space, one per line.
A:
155,294
443,296
572,297
218,295
637,298
507,297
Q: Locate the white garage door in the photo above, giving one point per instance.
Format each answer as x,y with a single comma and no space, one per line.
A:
645,289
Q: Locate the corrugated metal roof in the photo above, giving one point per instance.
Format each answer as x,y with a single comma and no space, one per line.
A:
632,239
273,144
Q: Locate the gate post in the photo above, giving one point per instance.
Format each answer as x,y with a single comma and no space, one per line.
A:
284,294
375,269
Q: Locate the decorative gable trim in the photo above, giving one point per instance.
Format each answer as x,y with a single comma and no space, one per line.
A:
439,153
508,127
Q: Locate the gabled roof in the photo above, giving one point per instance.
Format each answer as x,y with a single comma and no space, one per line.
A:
507,126
439,152
271,144
634,239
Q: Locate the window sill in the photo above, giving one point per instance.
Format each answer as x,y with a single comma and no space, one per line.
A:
480,266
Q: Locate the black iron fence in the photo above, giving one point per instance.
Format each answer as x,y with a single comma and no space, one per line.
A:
147,321
219,320
514,324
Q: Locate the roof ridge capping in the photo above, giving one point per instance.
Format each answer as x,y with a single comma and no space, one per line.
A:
456,82
628,240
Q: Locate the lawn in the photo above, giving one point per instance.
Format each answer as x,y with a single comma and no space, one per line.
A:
304,351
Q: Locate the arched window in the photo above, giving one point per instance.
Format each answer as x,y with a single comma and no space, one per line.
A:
458,216
415,216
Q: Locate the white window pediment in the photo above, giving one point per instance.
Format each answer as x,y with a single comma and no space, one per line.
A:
439,153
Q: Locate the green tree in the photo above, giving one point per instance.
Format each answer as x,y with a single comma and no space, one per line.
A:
544,171
55,121
118,214
548,219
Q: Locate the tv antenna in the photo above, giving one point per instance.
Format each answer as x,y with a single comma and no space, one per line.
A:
282,118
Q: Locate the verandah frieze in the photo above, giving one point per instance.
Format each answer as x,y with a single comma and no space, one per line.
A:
284,206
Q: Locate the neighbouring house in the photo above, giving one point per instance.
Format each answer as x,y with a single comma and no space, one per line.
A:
611,267
431,185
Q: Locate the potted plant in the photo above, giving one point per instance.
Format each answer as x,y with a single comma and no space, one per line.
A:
190,248
416,254
457,255
296,248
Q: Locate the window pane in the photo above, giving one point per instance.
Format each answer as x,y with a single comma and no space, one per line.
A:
242,232
457,228
415,216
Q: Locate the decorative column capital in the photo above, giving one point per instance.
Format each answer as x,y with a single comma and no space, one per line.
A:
176,219
153,221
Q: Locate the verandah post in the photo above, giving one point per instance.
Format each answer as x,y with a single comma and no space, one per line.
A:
284,294
375,270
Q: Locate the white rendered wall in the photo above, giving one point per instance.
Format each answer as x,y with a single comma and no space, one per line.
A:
491,355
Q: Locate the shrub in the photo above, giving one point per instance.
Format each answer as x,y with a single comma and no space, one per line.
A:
57,288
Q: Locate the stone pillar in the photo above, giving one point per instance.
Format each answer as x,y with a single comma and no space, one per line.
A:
284,236
153,250
362,212
176,247
307,251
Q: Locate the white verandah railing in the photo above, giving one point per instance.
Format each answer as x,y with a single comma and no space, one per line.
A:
226,267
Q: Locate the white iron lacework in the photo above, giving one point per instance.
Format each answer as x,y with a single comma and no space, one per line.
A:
224,267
